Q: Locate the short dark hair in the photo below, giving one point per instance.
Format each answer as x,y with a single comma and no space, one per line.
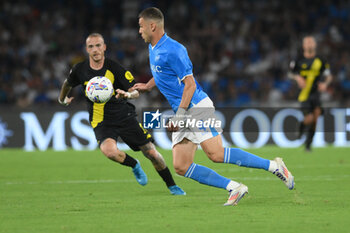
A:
152,13
95,34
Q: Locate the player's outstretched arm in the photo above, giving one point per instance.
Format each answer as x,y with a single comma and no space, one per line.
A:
130,94
65,89
189,89
143,87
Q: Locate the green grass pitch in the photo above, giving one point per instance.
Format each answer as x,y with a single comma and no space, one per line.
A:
81,191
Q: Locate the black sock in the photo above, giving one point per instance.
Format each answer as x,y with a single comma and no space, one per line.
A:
167,177
129,161
310,136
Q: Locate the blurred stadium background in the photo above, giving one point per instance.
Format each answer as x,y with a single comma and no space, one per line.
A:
240,51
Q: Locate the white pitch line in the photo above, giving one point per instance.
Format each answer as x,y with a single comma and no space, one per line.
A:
73,182
267,178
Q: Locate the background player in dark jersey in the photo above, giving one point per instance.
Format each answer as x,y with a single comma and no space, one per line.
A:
117,117
313,75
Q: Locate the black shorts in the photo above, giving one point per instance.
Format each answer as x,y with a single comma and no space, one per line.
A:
131,132
310,104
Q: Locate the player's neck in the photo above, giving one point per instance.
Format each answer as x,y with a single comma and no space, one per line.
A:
96,65
309,54
157,38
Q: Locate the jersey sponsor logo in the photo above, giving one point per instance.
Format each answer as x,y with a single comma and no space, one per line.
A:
129,76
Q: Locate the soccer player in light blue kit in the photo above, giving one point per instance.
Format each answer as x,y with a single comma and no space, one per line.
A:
173,75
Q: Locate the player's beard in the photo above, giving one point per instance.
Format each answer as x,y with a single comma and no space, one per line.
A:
97,58
146,38
311,51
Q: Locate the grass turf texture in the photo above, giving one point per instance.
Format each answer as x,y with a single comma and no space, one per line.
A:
81,191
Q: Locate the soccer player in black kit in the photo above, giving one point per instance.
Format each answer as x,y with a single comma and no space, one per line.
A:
117,117
312,75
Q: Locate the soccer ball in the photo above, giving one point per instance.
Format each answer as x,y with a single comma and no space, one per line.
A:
99,89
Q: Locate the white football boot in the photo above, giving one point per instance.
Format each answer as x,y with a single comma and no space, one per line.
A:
283,173
236,195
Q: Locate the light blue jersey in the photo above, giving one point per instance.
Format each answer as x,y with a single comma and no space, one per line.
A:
170,64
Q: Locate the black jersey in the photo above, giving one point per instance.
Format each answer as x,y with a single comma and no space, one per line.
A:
115,111
311,69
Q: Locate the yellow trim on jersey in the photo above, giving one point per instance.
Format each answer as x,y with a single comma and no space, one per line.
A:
110,76
98,108
310,75
97,114
129,76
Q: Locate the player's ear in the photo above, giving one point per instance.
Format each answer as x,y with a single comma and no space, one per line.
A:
153,27
104,47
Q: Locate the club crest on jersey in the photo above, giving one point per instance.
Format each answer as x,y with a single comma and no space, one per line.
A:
129,76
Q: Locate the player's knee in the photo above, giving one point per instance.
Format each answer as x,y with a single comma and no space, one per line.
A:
216,156
180,169
111,153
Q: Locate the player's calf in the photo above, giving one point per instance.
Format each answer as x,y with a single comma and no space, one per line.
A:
150,152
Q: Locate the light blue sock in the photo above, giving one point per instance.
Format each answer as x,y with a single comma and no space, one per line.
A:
206,176
245,159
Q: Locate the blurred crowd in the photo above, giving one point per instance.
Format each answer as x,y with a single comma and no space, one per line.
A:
240,49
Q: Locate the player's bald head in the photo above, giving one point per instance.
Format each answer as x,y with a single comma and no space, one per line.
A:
94,35
153,14
309,42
